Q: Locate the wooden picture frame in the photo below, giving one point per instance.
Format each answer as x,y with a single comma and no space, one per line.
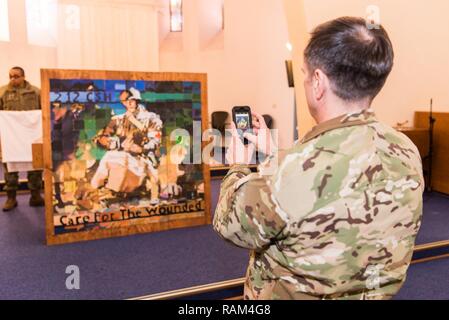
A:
99,229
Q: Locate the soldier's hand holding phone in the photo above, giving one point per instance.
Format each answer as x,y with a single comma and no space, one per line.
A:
240,151
261,135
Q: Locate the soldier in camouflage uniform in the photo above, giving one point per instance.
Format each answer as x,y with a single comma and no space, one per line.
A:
20,95
133,140
338,218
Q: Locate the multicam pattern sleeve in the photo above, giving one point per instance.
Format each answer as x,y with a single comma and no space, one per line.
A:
247,214
343,207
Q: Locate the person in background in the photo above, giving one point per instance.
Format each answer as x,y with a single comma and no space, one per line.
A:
20,95
338,218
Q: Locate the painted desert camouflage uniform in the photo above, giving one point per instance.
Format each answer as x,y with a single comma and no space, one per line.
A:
336,220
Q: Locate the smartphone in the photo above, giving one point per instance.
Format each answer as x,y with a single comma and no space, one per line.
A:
243,121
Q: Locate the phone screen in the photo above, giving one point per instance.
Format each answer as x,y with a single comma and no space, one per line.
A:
242,121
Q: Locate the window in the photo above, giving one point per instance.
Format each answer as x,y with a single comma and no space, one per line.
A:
176,15
4,21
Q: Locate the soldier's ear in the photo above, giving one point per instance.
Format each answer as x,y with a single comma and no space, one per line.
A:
319,84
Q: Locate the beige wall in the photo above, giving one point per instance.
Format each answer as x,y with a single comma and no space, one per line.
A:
299,37
112,35
19,52
245,63
420,34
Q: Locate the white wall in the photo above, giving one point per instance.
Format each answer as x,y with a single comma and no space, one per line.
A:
109,35
19,52
106,34
420,34
245,63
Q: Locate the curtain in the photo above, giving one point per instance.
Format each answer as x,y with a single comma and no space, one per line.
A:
108,35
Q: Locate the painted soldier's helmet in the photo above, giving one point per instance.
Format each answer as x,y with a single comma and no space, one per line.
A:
135,95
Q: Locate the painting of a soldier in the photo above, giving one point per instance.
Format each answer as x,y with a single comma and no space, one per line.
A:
132,141
112,153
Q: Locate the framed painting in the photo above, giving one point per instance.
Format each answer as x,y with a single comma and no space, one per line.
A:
122,153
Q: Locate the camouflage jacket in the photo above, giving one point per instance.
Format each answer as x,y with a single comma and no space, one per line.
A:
337,219
24,98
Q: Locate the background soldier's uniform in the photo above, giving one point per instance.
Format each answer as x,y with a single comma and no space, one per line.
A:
338,218
25,98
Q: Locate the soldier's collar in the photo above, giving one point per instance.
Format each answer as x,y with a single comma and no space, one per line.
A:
347,120
25,85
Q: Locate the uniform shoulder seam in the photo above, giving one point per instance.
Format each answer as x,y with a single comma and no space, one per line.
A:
3,89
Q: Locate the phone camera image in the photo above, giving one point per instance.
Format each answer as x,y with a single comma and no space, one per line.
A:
242,121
